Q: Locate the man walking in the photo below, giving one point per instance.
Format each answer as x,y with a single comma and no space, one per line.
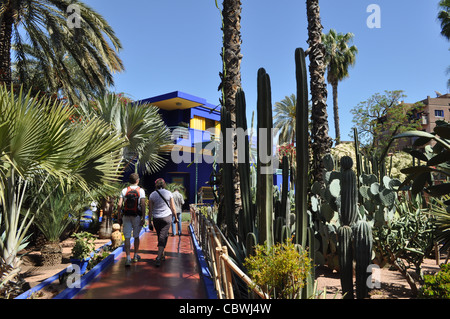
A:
131,211
179,202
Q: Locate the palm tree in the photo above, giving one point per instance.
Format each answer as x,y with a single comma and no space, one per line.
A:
147,135
38,143
320,141
444,17
55,43
338,58
42,77
231,77
285,114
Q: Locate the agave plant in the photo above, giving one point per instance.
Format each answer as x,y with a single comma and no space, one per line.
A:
37,140
439,210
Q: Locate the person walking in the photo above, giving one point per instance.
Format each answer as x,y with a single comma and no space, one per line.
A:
132,216
161,207
178,200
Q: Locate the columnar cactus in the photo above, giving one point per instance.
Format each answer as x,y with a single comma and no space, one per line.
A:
363,255
348,192
302,178
345,252
264,192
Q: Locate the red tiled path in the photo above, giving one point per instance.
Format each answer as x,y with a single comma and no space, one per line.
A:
177,277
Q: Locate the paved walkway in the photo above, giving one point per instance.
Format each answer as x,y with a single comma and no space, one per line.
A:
177,277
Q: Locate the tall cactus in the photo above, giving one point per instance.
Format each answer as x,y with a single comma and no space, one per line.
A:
345,252
349,192
302,178
305,235
227,205
363,255
247,214
264,172
348,215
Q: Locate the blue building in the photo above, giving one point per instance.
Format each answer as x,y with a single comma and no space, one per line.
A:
195,124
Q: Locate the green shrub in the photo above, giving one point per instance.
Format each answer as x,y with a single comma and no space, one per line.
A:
281,271
84,245
437,286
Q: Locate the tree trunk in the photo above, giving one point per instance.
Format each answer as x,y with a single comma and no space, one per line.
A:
320,141
231,76
336,113
5,47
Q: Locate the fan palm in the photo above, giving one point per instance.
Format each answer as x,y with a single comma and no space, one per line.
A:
338,58
38,142
54,44
320,141
141,124
285,114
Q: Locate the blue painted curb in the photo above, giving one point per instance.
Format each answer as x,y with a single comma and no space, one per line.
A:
205,274
69,293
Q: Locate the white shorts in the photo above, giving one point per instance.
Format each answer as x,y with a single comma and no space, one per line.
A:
131,223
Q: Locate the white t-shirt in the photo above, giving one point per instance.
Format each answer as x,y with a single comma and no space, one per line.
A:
141,194
179,201
160,208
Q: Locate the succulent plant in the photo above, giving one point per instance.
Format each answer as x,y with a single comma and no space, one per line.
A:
363,255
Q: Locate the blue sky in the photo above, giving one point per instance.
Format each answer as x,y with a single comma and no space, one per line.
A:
174,45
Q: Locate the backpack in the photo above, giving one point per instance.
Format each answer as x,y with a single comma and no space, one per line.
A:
131,202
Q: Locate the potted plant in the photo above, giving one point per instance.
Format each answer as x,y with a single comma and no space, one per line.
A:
81,251
52,219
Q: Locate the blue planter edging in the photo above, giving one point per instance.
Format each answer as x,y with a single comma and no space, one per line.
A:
69,293
205,274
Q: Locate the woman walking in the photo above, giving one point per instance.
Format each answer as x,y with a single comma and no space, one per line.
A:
161,207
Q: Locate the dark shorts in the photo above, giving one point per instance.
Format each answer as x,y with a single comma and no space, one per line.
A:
162,226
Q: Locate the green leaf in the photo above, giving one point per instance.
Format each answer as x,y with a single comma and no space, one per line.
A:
439,158
416,170
417,154
439,190
419,183
443,131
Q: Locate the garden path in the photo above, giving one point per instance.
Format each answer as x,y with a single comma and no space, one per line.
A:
177,277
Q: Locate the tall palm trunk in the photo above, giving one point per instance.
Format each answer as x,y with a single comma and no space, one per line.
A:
231,76
337,129
321,142
6,26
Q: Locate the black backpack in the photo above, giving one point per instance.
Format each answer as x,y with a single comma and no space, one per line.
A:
130,207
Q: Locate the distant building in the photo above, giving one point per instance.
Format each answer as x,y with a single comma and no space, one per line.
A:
436,109
194,123
432,110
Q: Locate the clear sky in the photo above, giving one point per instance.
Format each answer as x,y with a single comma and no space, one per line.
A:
174,45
